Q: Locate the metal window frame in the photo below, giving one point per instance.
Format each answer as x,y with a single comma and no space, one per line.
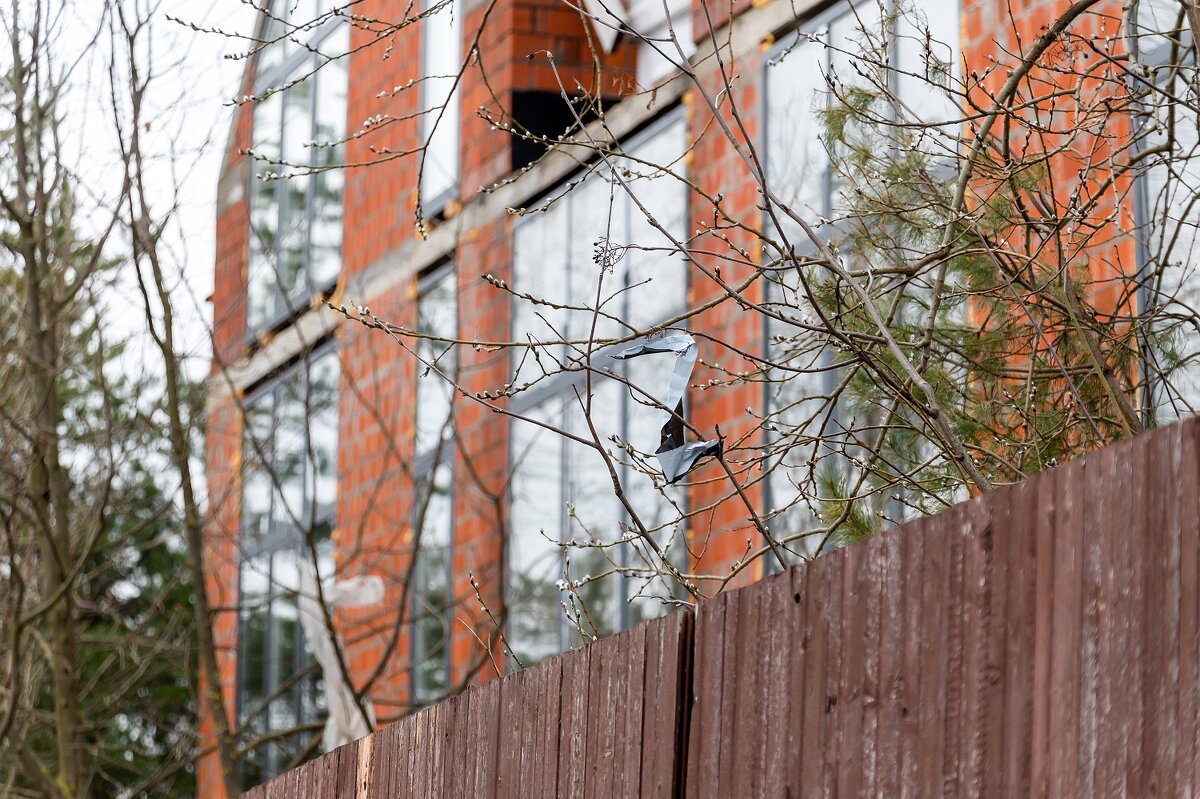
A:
560,387
288,307
1153,57
424,468
267,548
822,18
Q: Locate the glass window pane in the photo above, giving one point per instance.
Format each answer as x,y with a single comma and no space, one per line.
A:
291,422
597,217
540,270
654,269
436,316
854,36
1172,253
295,425
256,470
797,162
926,43
440,62
264,212
594,515
297,221
432,591
534,559
252,661
293,234
323,434
325,247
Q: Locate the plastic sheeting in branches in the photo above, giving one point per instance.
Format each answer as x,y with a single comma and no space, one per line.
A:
675,454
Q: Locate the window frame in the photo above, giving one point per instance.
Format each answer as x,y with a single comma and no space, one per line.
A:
274,80
425,464
823,21
1155,401
267,546
558,390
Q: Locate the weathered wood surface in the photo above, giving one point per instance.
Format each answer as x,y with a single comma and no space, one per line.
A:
1039,641
602,721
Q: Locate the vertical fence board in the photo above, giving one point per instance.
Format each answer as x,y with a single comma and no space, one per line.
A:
601,721
540,722
907,726
777,744
977,668
1132,574
851,691
509,749
812,689
1110,644
630,699
704,740
953,655
1045,511
666,692
1161,650
890,669
1065,641
832,706
1097,515
725,696
932,633
872,643
1189,613
744,712
797,662
572,740
1019,540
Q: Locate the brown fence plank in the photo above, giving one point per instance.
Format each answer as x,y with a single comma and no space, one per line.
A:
909,726
1160,653
509,743
1065,643
778,744
666,689
830,742
1188,759
726,753
1018,538
572,742
895,558
540,732
1114,618
850,670
744,711
630,701
1096,517
932,633
704,739
873,586
812,697
982,663
1045,510
601,719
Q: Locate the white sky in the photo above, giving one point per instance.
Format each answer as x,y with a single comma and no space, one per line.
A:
189,114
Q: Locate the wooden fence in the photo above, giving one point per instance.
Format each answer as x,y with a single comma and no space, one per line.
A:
1038,641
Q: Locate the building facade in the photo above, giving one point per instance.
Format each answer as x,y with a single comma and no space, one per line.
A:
345,424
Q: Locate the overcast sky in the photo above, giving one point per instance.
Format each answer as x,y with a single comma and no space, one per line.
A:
189,122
